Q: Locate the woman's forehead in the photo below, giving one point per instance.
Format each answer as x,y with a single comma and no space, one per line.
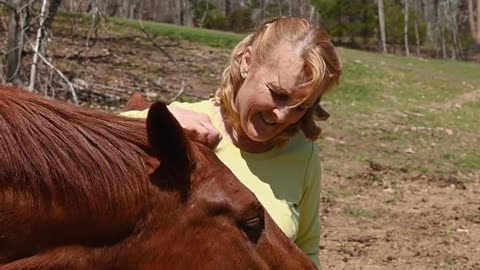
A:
289,79
284,70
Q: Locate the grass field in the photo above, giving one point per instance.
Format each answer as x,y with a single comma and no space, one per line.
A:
431,106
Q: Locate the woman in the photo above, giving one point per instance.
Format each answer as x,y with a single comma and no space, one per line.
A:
265,110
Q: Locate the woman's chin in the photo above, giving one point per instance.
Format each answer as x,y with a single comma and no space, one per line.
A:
259,136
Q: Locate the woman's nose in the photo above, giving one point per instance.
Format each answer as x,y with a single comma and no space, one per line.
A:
282,115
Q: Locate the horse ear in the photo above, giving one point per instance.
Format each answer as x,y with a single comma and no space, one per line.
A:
168,141
137,102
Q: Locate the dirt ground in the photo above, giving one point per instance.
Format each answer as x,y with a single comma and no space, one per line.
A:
405,221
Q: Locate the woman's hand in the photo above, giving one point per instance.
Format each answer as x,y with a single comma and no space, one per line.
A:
197,126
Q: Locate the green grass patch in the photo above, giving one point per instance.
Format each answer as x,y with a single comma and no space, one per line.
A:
389,104
119,26
204,36
374,80
339,193
468,160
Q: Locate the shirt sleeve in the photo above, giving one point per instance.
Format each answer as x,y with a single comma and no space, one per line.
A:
309,230
135,114
200,107
143,114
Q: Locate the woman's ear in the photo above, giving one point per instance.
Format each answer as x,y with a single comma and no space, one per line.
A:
246,59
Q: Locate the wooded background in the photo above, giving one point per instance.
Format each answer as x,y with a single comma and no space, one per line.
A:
450,27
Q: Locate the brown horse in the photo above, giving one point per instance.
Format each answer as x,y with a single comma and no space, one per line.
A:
81,189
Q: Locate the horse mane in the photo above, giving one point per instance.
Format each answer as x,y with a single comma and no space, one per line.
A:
52,151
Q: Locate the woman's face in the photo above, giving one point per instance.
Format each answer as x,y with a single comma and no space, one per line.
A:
269,99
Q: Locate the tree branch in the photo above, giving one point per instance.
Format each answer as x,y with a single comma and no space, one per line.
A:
40,33
180,71
70,84
8,5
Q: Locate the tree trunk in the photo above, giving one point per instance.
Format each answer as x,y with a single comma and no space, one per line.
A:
290,8
263,7
474,25
38,44
365,27
16,25
415,25
471,19
312,13
228,8
443,42
417,37
456,44
187,13
52,12
381,20
204,15
405,31
47,26
477,35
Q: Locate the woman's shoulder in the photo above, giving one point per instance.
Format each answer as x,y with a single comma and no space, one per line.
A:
204,106
305,153
299,144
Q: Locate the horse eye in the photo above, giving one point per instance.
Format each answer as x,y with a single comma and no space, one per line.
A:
253,222
253,228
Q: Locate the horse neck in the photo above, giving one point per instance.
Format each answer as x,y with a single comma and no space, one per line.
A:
72,154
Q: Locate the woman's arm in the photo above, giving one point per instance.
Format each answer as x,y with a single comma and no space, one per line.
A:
309,230
197,125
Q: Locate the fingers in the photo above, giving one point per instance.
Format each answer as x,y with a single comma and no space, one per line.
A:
198,126
213,137
205,133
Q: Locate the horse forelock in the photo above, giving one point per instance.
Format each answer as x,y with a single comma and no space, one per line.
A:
57,152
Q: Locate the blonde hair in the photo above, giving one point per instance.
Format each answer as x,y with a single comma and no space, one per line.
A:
322,69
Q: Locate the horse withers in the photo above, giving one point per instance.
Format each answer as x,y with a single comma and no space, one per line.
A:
82,189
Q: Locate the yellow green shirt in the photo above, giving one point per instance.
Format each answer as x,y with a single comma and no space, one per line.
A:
286,180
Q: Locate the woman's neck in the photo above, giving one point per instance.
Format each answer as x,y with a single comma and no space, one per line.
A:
241,140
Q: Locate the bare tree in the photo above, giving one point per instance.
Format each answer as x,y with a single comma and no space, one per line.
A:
263,8
381,21
415,24
179,69
185,13
204,15
452,10
47,26
440,26
16,26
405,31
474,25
38,43
428,15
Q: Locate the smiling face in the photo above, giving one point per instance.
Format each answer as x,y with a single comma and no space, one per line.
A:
272,97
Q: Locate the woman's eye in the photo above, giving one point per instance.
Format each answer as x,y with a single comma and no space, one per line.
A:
278,96
272,92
